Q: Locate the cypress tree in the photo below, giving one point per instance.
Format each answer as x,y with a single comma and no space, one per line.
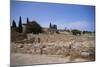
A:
50,26
20,24
27,20
13,24
14,27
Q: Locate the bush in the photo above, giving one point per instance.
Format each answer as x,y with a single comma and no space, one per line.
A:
87,32
33,27
76,32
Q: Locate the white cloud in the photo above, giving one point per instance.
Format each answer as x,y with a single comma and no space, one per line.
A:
81,25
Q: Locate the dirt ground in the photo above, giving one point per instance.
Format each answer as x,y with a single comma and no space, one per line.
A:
51,49
29,59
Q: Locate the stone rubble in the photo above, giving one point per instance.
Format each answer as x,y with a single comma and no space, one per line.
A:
75,46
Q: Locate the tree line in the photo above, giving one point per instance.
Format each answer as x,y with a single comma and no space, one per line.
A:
79,32
34,27
31,26
16,28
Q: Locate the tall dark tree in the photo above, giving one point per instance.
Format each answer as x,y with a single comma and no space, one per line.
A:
50,26
13,24
14,28
27,20
20,24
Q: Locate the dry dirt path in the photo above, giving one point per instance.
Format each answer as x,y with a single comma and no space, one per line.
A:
29,59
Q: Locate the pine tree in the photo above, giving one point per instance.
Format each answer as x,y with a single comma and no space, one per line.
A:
14,27
27,20
20,25
50,26
13,24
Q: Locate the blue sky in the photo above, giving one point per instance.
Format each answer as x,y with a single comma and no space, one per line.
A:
63,15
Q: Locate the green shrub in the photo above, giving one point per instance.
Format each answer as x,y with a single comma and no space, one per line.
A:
87,32
33,27
76,32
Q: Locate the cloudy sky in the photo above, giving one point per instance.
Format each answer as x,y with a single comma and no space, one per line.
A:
80,17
